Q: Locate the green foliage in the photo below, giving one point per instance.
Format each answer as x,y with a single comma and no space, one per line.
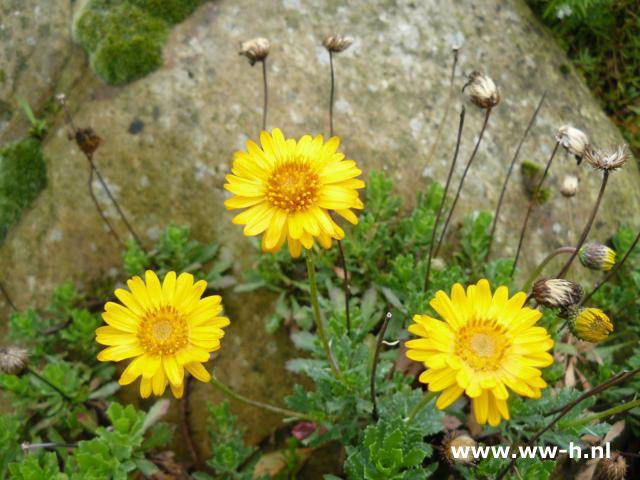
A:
22,177
601,37
38,127
114,453
230,458
390,450
124,38
174,251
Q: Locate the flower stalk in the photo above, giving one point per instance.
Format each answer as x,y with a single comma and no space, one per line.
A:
376,355
345,285
510,171
7,297
532,201
311,271
443,200
254,403
44,380
104,218
604,414
587,228
464,175
184,414
266,97
536,273
420,405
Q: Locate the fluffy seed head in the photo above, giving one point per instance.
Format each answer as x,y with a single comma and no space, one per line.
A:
458,440
569,185
482,91
557,292
612,468
13,360
573,140
590,324
597,257
607,160
256,49
337,43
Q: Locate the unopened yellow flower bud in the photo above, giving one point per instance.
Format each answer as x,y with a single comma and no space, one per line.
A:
597,257
591,325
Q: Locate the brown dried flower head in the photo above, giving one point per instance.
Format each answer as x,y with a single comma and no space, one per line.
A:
569,185
482,91
612,468
337,43
573,140
459,441
256,49
87,140
13,360
607,160
557,292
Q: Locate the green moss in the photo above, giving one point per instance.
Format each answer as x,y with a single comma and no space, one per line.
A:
172,11
124,38
22,177
531,174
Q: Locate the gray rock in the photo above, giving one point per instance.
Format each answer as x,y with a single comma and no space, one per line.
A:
206,101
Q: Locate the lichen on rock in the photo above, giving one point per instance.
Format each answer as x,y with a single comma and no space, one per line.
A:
22,177
125,38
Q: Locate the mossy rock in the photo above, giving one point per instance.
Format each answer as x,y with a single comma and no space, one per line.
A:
531,174
124,38
172,11
23,176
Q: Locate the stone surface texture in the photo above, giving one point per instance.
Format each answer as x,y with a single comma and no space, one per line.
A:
168,139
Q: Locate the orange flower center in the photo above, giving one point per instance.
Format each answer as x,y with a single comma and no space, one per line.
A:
163,331
293,186
482,344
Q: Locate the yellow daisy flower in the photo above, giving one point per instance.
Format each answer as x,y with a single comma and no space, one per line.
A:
485,344
166,327
288,188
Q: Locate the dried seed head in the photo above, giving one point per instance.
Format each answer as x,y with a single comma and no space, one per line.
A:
337,43
590,324
597,257
256,49
569,185
61,98
458,440
603,160
557,292
13,360
612,468
482,91
87,140
573,140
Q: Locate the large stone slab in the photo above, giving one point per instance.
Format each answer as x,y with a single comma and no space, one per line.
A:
168,139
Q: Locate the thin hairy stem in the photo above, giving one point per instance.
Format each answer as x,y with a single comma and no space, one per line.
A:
536,273
345,285
604,414
98,208
616,268
7,297
447,107
331,94
615,380
184,415
44,380
532,202
374,367
625,306
510,170
264,106
254,403
464,175
311,271
115,202
420,405
587,228
443,199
